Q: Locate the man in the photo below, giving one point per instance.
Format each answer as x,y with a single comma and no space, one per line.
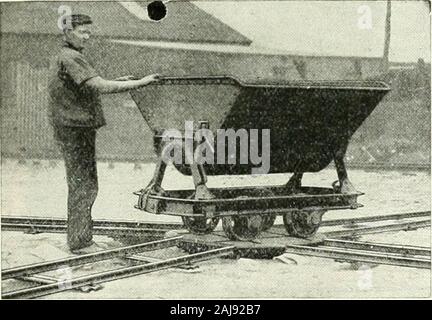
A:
76,114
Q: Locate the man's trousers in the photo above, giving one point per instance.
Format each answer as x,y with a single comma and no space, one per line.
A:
78,146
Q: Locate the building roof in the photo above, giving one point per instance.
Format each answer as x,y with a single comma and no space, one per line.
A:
184,22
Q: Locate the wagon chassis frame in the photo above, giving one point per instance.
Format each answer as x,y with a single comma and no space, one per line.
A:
302,207
307,200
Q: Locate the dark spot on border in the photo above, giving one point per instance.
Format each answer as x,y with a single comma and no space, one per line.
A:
156,10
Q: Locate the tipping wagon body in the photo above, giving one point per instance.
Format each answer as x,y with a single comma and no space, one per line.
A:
308,120
310,124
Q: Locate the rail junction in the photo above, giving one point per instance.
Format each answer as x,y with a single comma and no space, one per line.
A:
341,244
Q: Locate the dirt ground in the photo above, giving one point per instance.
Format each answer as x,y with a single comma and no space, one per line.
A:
38,188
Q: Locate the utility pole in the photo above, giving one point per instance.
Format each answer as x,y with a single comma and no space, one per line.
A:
387,38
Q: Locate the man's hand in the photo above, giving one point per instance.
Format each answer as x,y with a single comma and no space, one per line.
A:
150,79
126,78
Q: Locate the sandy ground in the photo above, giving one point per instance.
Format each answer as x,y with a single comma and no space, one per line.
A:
38,188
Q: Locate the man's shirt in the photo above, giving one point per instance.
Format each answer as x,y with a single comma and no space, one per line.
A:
72,102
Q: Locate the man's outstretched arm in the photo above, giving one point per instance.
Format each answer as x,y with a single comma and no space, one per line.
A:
116,86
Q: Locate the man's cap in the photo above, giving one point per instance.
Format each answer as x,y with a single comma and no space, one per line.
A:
73,20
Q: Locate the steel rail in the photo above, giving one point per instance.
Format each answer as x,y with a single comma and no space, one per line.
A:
115,274
39,278
102,226
378,247
43,279
407,226
96,223
140,258
98,230
31,269
397,216
366,257
119,231
388,166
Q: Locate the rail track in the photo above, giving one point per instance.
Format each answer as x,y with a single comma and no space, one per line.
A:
354,233
26,220
100,227
337,245
367,253
48,285
125,227
397,216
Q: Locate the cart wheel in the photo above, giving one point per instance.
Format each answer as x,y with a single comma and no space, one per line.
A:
268,221
303,224
242,227
200,225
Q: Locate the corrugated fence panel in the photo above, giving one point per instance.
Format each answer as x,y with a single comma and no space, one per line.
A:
32,128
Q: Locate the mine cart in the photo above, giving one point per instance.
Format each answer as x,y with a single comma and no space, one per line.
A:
309,123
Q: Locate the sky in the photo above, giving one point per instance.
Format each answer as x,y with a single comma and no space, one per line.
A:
347,28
